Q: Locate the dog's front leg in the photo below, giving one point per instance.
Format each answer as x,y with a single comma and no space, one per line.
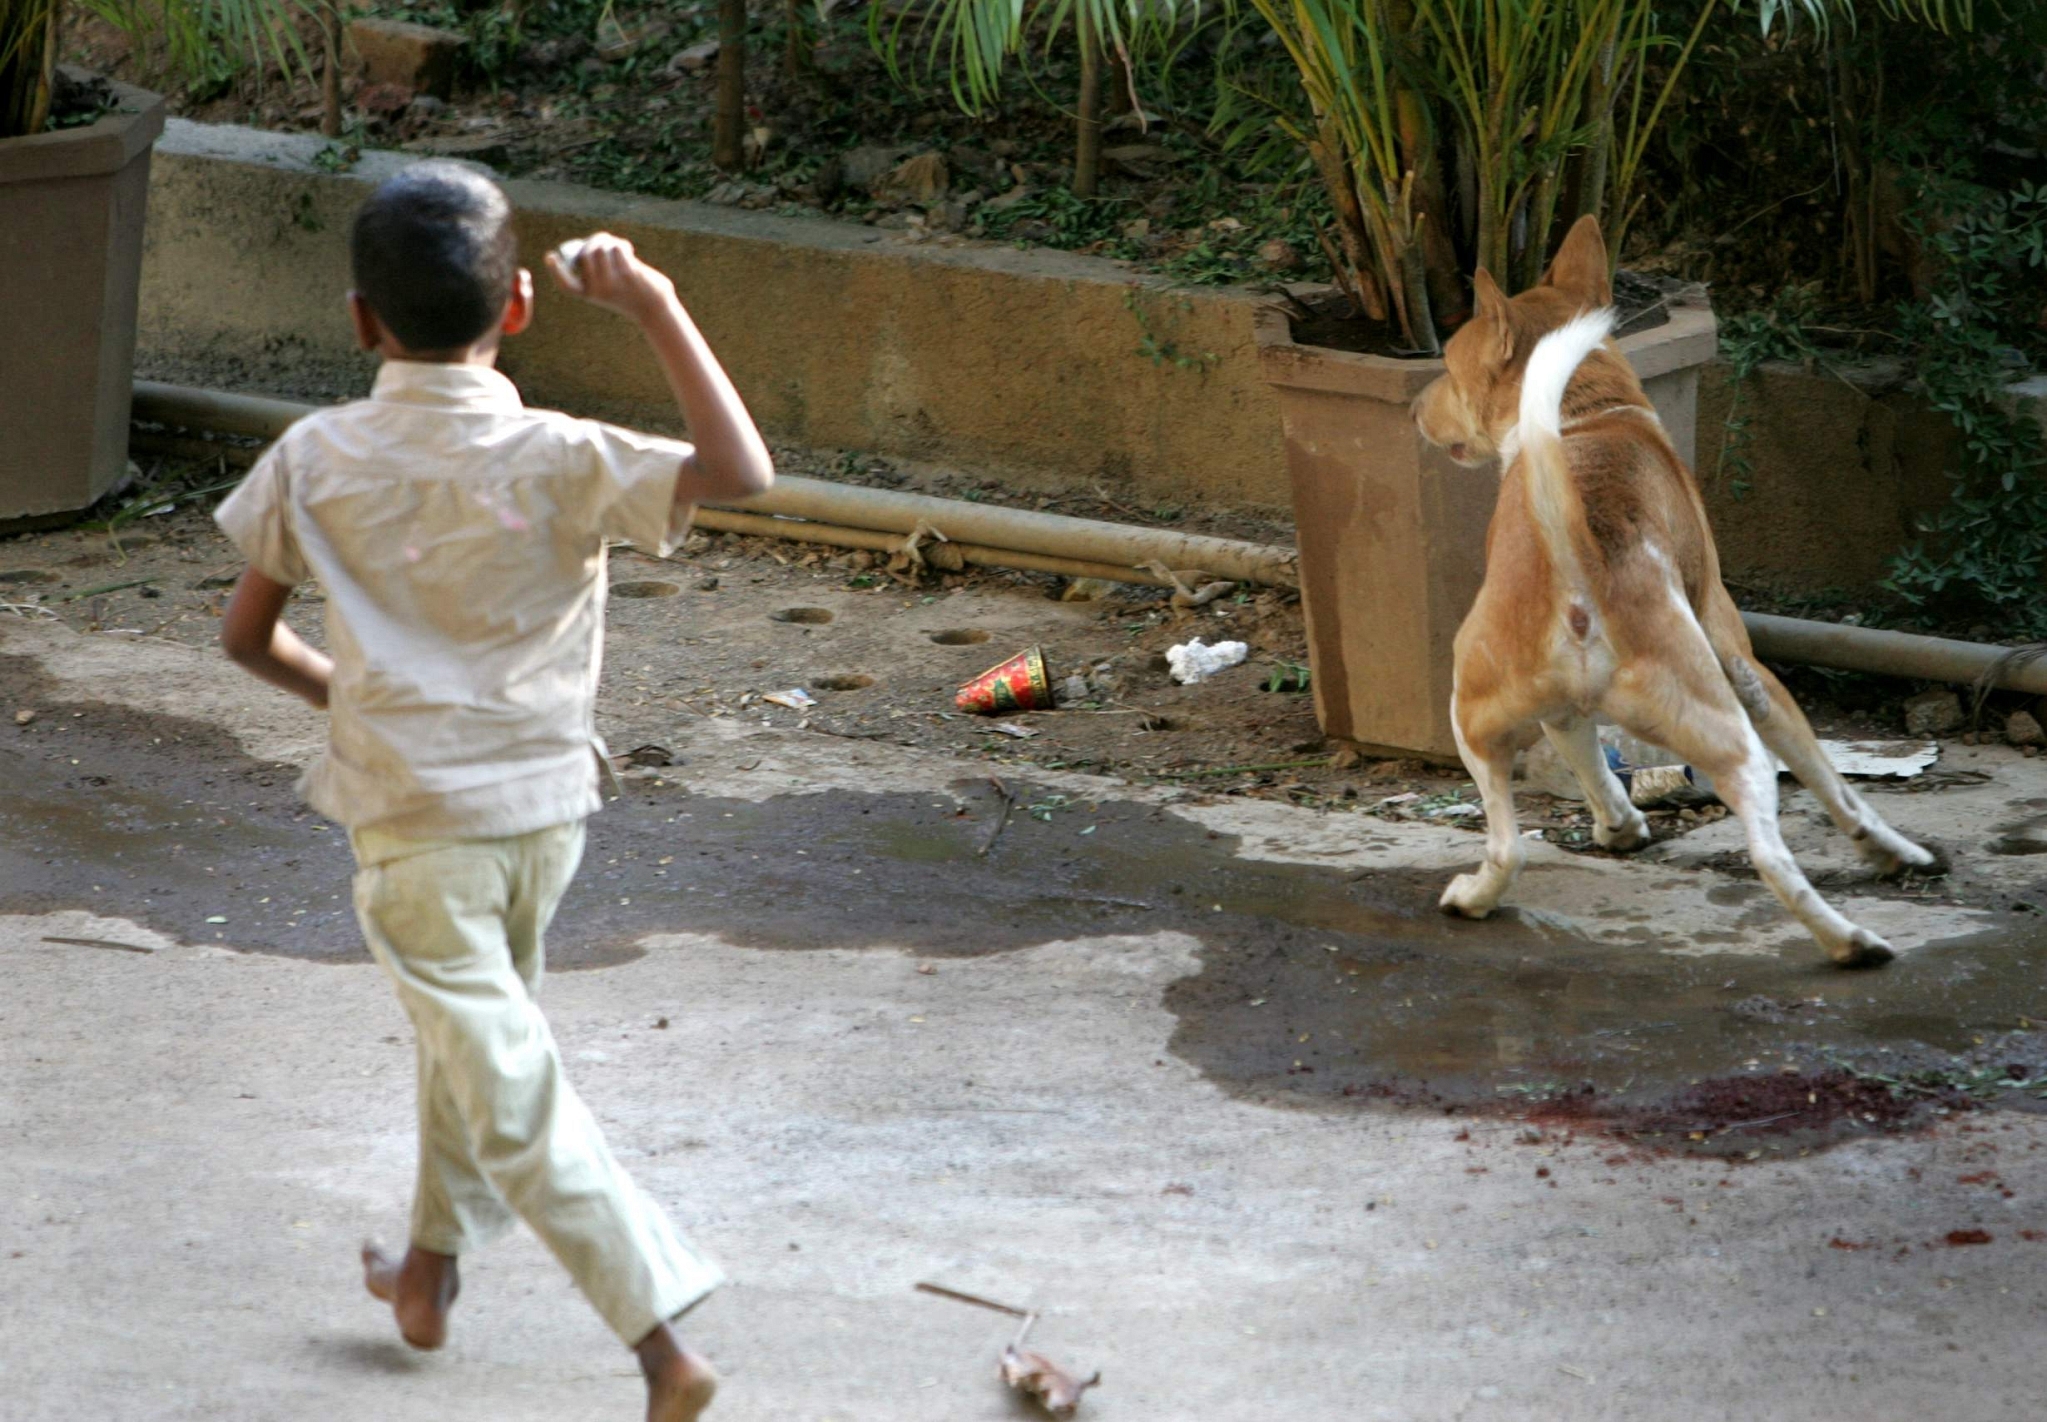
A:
1616,824
1490,759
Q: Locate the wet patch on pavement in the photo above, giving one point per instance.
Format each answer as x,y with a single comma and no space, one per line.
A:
1319,988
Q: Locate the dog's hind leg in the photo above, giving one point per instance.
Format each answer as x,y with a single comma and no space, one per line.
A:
1488,754
1749,787
1789,736
1616,824
1681,700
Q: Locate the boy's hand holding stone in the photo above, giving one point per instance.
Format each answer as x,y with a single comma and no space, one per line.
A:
603,270
730,460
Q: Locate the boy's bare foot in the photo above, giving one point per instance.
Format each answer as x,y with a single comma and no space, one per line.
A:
420,1288
680,1384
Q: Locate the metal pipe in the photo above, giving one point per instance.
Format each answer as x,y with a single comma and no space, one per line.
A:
1116,545
215,410
847,516
1870,649
1026,531
241,456
946,555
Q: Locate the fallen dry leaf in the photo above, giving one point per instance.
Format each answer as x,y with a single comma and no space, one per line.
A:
1037,1376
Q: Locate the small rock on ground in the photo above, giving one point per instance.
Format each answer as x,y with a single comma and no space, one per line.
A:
2023,729
416,57
1933,713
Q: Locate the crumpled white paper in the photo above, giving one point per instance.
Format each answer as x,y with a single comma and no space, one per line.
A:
1194,661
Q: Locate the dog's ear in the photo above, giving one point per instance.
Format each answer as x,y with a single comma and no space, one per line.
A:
1489,310
1580,268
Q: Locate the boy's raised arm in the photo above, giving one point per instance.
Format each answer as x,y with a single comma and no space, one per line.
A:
731,460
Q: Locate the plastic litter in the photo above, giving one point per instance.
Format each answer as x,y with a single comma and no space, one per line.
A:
1654,776
1882,760
795,698
1195,661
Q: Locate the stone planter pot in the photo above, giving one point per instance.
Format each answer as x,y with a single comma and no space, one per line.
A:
71,210
1392,532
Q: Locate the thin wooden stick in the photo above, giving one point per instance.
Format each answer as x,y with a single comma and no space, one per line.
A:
1001,823
102,588
100,943
975,1299
330,74
1244,769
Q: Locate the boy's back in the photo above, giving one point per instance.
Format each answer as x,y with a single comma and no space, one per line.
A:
458,538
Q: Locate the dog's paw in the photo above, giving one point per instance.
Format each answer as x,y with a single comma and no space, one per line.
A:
1891,854
1467,897
1626,837
1862,949
1927,860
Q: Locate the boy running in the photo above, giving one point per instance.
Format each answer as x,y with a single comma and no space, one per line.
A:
459,539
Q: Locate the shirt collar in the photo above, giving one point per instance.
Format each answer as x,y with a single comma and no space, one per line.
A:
460,387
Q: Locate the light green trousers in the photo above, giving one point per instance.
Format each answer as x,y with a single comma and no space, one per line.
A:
458,925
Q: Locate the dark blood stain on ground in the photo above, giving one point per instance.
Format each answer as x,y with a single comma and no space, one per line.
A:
1730,1112
1317,988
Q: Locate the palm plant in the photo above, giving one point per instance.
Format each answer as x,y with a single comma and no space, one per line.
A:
975,40
199,37
1455,134
28,58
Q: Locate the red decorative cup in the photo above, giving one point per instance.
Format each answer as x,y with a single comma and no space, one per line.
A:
1019,684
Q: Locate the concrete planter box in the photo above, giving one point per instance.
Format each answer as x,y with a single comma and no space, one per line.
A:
71,210
1392,533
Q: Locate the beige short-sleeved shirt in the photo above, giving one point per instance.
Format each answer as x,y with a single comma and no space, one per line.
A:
459,539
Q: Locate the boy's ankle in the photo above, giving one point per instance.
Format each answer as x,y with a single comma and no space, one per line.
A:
680,1383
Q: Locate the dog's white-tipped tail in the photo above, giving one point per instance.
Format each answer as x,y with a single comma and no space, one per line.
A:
1552,495
1556,359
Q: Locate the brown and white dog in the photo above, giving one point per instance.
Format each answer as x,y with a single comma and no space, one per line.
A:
1602,598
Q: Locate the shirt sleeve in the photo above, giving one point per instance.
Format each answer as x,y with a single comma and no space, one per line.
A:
637,474
257,518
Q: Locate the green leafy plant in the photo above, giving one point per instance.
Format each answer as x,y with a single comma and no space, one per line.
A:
1053,217
1749,340
337,158
975,41
1153,343
1289,677
1975,333
202,39
1046,808
1453,134
1981,1084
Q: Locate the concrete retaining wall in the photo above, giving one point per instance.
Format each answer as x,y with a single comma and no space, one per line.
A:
1840,471
1018,364
1023,365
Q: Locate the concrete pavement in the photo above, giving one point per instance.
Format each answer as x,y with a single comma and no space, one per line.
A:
1097,1102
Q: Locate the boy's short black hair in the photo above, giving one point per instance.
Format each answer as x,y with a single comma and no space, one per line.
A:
434,256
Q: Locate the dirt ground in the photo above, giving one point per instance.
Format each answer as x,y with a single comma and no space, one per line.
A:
729,620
